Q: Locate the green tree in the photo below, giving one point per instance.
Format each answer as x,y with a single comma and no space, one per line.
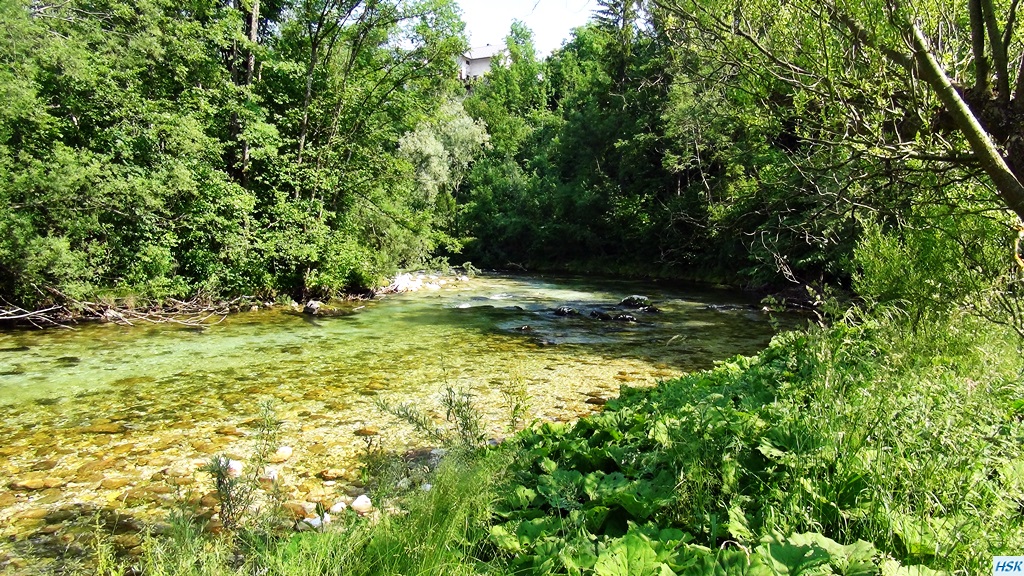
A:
919,80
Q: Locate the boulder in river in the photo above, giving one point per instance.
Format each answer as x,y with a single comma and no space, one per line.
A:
312,307
566,311
635,301
598,315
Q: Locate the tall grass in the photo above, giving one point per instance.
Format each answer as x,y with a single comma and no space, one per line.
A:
906,438
441,531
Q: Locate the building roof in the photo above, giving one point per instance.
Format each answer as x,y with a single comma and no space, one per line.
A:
488,51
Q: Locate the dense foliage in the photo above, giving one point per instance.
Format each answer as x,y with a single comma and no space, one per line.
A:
832,434
736,140
161,148
312,145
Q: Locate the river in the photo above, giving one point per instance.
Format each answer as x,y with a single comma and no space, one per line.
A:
112,422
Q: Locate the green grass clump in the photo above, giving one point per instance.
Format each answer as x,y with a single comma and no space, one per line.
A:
441,531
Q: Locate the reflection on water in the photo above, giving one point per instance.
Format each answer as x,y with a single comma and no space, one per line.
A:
111,417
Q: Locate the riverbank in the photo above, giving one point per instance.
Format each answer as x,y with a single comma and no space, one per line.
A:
63,311
864,448
779,294
204,309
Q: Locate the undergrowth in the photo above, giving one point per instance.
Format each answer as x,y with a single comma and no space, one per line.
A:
906,445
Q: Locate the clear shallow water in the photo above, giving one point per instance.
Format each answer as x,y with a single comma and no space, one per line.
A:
119,417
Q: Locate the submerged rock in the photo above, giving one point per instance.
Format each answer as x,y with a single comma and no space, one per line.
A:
107,428
114,483
283,453
15,349
34,484
230,431
331,473
566,311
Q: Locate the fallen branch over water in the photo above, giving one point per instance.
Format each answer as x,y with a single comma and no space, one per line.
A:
46,317
199,311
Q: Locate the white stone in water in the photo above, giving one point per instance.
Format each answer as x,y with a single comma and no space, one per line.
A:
235,468
426,487
463,278
338,508
407,283
362,504
283,453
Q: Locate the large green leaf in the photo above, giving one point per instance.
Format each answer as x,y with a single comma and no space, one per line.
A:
794,559
631,555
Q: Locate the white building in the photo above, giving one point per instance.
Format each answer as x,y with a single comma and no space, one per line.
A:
477,62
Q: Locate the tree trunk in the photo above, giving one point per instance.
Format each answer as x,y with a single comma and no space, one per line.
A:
250,71
1008,186
307,99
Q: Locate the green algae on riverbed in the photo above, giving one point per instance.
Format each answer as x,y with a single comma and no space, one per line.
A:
116,420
